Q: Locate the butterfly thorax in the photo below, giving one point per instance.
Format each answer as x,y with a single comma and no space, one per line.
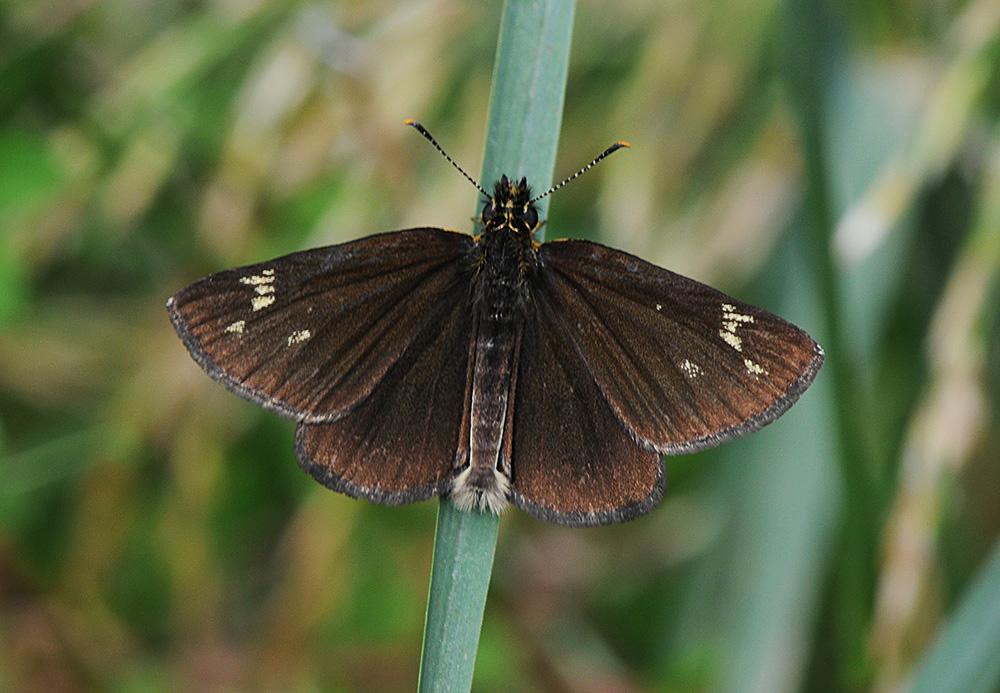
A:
505,251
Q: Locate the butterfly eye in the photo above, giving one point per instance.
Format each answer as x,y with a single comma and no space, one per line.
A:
487,212
531,216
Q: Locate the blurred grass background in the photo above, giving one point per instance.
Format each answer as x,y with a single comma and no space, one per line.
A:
155,531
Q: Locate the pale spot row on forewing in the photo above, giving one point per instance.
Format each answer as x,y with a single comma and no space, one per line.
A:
731,322
263,285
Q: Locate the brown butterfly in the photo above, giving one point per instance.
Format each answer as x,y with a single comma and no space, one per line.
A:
493,368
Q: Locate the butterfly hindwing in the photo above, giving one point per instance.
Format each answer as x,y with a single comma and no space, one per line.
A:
683,365
398,444
574,463
309,334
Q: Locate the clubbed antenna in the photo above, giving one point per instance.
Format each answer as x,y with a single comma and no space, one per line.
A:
605,154
423,131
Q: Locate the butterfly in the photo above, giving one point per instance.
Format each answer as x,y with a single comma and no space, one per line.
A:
493,368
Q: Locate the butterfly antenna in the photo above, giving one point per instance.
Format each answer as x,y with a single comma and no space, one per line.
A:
430,138
604,155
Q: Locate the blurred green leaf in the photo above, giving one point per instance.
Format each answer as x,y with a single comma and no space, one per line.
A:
964,657
27,171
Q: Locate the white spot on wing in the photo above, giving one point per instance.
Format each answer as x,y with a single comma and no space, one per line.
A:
754,369
237,327
728,337
259,302
691,369
298,337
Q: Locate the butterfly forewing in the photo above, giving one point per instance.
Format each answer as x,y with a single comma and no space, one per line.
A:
398,445
309,334
573,461
685,367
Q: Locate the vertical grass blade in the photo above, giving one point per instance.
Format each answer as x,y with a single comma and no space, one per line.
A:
529,84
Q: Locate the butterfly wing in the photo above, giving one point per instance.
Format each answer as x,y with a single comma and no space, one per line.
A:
399,443
684,366
574,463
310,334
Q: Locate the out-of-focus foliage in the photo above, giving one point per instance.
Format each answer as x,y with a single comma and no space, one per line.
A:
155,531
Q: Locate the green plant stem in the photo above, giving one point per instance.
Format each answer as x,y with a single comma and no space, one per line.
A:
529,84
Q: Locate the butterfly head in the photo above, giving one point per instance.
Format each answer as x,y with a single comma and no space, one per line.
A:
511,205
